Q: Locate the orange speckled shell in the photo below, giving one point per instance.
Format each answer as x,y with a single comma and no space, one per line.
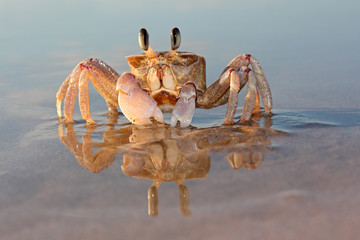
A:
186,67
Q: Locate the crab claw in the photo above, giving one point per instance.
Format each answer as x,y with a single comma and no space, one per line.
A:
136,104
184,108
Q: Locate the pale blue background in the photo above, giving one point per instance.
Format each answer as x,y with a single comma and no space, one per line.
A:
308,49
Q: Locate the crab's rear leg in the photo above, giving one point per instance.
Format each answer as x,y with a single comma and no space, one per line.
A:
61,94
261,82
262,85
250,97
225,90
68,91
103,78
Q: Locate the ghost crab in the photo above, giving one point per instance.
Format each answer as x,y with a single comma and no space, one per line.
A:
170,81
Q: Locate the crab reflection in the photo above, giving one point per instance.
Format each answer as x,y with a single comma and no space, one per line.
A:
162,154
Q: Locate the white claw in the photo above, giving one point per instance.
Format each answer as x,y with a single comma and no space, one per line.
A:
183,112
185,107
137,105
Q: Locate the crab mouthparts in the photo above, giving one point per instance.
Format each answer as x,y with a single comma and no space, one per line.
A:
166,100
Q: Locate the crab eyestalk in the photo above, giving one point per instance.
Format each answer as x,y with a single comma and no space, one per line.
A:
175,39
144,43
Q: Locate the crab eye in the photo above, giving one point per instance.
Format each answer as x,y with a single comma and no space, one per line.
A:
175,38
144,39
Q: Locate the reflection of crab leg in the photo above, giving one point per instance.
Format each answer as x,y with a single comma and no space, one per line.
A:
83,152
184,198
185,106
136,104
153,198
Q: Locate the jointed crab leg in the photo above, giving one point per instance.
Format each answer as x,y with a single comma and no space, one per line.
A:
234,77
70,100
250,97
262,85
233,95
84,96
224,90
61,94
103,78
261,82
71,94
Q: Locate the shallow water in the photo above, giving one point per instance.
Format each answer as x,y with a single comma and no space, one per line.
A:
294,171
289,176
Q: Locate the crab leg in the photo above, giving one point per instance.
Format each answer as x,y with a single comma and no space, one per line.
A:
102,77
250,97
136,104
261,82
185,106
184,198
257,102
66,91
70,100
262,85
153,198
238,62
225,90
84,96
227,87
71,94
61,94
233,96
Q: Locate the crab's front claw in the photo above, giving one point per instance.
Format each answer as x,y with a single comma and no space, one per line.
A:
185,106
137,105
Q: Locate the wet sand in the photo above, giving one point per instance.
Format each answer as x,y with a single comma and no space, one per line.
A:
295,176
